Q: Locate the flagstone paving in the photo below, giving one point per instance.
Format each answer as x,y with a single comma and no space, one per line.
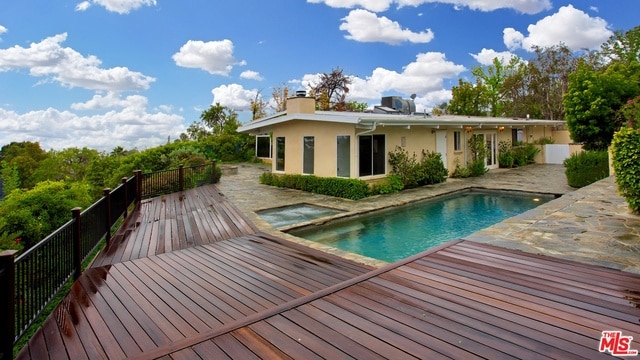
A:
591,225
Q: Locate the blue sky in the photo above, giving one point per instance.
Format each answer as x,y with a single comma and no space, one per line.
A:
135,73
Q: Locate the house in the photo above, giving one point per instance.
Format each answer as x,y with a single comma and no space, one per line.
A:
302,140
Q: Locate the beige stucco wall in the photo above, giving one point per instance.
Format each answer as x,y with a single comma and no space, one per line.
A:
413,139
325,142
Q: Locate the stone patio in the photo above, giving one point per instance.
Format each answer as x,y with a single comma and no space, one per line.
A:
590,225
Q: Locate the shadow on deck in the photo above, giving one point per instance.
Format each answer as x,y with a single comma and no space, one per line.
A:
194,279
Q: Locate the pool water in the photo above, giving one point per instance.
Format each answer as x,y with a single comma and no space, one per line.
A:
295,214
397,233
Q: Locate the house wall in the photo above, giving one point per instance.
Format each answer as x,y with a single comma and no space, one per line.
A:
325,143
413,139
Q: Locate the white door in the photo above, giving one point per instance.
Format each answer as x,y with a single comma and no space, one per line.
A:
441,145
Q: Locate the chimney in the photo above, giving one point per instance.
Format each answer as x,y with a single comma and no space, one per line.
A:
301,104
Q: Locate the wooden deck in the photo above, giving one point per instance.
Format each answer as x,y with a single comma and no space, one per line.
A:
177,221
256,296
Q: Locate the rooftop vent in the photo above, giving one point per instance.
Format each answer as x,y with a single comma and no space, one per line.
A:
396,105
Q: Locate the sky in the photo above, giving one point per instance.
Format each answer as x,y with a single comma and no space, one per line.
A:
136,73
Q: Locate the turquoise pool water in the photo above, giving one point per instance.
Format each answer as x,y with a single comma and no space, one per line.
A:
397,233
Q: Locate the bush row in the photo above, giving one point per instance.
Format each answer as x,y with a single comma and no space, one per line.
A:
586,167
340,187
626,164
514,156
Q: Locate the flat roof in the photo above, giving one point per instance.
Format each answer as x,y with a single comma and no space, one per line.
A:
371,120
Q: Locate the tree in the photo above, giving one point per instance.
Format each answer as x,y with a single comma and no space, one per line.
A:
258,107
468,99
36,213
440,109
24,157
493,77
71,164
550,79
280,95
623,47
592,100
331,91
355,106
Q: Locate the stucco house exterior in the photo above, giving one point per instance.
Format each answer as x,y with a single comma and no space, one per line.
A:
302,140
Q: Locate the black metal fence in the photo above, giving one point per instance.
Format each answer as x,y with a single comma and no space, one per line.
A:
31,281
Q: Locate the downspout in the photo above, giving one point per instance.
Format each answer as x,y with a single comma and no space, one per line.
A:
375,124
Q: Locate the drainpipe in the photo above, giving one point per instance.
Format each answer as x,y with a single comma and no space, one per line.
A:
375,124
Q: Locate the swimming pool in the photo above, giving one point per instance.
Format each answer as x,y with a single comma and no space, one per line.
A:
397,233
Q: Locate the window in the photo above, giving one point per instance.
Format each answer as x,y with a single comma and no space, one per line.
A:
280,154
263,146
343,156
308,143
372,152
457,142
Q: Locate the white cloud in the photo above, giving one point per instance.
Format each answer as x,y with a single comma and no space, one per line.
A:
486,56
523,6
512,38
372,5
234,96
423,77
215,57
83,6
569,25
130,126
251,75
117,6
365,26
3,30
70,68
111,100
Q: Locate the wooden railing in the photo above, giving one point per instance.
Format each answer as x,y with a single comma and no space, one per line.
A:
31,281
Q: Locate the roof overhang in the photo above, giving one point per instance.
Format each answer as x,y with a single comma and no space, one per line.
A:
368,121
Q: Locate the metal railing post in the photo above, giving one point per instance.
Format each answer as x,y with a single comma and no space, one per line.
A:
7,303
126,197
138,174
107,193
77,243
213,171
181,178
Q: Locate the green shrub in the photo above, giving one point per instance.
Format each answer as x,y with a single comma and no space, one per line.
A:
430,170
525,154
626,164
477,168
586,167
460,171
505,155
353,189
389,185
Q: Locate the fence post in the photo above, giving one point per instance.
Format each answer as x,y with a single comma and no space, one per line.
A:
126,196
181,178
7,303
107,193
213,171
138,174
77,243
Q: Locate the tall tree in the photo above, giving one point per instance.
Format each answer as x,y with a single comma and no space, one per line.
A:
623,47
280,95
468,99
331,91
550,79
24,157
258,107
493,76
592,100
